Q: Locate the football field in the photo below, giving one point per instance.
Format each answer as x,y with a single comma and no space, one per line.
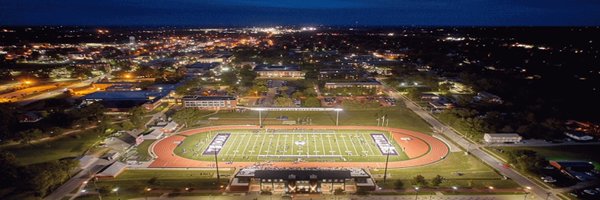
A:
291,145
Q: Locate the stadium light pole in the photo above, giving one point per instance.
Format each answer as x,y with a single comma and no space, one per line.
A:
217,165
260,116
387,158
337,115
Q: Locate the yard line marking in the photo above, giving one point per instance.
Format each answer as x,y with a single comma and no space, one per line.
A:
355,153
232,142
277,145
357,138
262,143
247,143
270,142
285,143
369,145
338,144
323,145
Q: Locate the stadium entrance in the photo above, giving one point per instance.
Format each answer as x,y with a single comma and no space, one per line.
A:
301,180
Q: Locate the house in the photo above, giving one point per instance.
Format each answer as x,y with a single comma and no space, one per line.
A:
361,84
578,136
488,97
580,170
112,171
29,117
502,138
200,68
209,102
278,71
347,73
429,97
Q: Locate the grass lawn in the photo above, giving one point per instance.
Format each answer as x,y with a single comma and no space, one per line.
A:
324,145
142,150
132,183
460,170
573,152
65,147
399,117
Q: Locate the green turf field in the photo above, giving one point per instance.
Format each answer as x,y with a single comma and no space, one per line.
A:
321,145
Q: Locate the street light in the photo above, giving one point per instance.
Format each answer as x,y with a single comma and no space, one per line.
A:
146,192
116,190
417,193
527,191
337,115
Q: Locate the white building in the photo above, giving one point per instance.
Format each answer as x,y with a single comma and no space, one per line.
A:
502,138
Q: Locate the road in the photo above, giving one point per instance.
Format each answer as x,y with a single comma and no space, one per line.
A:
473,149
57,91
78,180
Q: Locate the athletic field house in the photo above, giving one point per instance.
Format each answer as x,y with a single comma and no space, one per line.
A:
298,159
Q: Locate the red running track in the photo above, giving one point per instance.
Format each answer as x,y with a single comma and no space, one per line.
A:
422,149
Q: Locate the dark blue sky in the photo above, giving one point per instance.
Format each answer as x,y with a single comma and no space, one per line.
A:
300,12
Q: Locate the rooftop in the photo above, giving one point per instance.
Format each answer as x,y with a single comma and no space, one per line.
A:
276,68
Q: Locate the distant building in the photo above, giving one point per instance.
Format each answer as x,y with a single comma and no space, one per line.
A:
580,170
112,171
119,101
502,138
276,71
200,69
347,73
29,117
488,97
579,136
361,84
209,102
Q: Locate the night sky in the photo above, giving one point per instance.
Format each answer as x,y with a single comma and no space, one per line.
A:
301,12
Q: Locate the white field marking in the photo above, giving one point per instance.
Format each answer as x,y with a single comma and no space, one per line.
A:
356,152
313,138
247,143
368,143
254,137
277,145
234,139
331,146
262,143
307,144
270,142
357,140
292,145
322,145
338,145
285,142
228,146
345,145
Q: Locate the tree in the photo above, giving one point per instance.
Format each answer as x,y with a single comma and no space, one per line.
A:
437,180
419,181
9,169
311,102
413,93
398,184
229,78
137,116
284,102
187,116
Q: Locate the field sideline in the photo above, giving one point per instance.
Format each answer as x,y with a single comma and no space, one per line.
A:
317,145
421,149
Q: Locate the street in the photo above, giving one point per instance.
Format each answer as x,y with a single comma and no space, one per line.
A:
470,147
